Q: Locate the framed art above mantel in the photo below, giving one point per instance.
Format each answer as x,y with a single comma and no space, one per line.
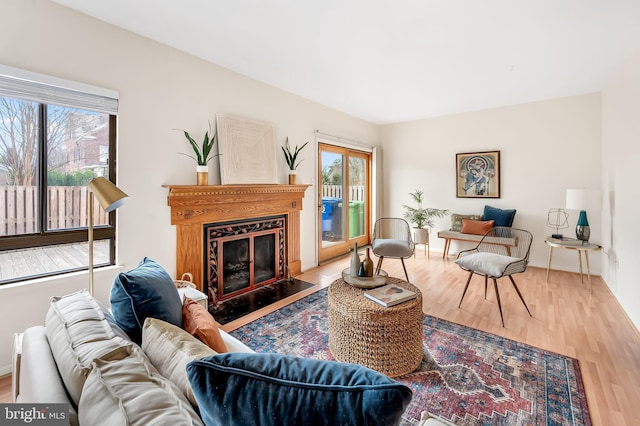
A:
478,174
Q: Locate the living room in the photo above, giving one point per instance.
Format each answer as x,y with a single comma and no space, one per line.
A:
584,140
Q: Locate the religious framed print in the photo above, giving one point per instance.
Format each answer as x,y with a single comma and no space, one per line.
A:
478,174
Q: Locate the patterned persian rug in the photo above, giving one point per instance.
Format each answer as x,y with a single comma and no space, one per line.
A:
467,376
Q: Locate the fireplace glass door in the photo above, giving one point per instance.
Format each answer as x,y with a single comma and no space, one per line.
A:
244,255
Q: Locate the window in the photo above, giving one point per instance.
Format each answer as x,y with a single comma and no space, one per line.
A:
55,137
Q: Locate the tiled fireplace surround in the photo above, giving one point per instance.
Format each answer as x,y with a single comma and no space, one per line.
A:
194,207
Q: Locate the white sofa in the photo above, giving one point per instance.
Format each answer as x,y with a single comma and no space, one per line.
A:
46,361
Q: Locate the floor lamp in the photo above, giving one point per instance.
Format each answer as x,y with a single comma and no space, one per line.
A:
110,198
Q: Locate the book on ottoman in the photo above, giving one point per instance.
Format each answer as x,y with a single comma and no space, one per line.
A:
390,295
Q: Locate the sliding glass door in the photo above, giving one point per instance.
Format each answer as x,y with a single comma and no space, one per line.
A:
344,199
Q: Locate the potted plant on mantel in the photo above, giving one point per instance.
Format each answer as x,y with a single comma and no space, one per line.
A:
202,155
291,159
422,217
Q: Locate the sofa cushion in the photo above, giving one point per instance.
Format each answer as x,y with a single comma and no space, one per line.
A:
263,389
78,332
456,220
490,264
199,322
38,378
170,349
501,217
392,248
130,391
476,227
145,291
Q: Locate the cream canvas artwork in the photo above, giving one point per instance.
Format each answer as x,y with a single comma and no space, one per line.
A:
248,150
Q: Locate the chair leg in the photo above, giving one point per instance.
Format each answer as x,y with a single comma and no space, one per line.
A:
465,288
405,269
495,286
485,286
379,265
519,294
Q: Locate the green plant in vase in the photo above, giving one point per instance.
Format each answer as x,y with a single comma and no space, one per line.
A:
291,157
421,217
202,154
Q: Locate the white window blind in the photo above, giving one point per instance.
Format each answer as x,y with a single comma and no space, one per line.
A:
27,85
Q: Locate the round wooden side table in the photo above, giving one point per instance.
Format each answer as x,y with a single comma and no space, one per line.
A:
388,340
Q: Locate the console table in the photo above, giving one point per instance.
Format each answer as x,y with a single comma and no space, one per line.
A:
580,248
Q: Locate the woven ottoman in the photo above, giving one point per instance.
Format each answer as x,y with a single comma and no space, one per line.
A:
388,340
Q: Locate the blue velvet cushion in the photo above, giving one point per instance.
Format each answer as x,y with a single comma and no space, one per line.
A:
145,291
273,389
500,217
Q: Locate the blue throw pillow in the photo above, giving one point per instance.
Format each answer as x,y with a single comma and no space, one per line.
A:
146,291
499,216
272,389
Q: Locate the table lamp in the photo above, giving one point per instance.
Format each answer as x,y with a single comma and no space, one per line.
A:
557,219
110,197
583,200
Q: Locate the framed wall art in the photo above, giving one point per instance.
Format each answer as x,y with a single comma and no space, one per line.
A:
478,174
248,151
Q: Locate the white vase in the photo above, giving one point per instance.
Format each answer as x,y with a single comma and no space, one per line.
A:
355,261
203,175
421,235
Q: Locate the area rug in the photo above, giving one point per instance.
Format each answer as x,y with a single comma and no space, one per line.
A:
467,376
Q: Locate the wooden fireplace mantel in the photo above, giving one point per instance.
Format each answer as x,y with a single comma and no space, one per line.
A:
194,206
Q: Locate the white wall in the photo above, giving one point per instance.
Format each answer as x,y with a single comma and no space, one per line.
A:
161,89
620,154
545,147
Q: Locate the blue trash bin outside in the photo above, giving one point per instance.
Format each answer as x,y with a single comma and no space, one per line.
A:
331,216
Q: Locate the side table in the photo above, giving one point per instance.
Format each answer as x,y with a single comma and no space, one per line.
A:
388,340
580,248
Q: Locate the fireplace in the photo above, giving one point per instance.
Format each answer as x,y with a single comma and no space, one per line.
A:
241,256
194,208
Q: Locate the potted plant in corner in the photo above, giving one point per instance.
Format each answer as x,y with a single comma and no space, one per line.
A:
291,159
203,155
422,217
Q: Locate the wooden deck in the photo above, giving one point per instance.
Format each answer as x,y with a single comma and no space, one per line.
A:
42,260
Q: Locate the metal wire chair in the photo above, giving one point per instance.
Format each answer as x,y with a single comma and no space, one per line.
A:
494,259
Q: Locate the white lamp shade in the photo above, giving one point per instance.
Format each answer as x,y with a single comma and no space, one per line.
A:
584,199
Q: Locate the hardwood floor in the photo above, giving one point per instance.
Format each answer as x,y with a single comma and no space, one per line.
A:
567,319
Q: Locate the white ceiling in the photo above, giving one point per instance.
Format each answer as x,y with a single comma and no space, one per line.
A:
388,61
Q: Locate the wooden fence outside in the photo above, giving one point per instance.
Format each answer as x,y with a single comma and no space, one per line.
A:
356,192
67,208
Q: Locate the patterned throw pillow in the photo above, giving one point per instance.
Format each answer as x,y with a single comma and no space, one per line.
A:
456,220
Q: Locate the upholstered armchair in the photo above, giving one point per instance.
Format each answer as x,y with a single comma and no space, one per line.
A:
392,238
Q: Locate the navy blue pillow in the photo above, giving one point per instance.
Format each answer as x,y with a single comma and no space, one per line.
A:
273,389
499,216
146,291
